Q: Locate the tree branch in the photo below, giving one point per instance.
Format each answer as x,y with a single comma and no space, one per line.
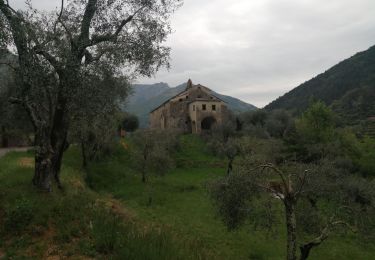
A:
9,65
28,107
270,190
302,183
90,59
306,248
59,20
52,60
59,16
278,171
86,22
10,8
96,39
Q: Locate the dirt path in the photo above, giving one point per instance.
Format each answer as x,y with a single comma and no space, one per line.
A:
4,151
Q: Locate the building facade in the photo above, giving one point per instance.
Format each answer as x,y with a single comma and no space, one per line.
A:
194,110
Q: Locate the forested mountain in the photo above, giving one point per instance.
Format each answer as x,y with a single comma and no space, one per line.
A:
348,86
147,97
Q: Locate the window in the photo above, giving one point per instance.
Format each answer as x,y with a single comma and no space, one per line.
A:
180,99
213,107
187,97
203,106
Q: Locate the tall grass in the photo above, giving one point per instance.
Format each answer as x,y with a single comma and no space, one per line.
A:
76,222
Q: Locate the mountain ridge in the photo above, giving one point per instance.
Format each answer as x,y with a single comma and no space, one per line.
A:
354,76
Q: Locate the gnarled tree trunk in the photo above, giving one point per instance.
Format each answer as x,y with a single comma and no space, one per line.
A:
43,160
59,147
291,225
49,151
59,139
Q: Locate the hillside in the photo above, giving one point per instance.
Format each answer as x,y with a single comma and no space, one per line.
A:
147,97
346,84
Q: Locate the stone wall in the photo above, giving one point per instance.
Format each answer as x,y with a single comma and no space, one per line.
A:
187,110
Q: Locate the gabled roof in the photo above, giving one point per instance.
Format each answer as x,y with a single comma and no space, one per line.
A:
189,85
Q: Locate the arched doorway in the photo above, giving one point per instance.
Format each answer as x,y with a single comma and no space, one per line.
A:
207,123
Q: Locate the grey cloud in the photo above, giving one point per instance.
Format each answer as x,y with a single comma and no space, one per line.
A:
39,4
257,50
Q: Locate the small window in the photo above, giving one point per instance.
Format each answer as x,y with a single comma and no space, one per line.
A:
213,107
193,107
203,106
187,97
199,96
180,99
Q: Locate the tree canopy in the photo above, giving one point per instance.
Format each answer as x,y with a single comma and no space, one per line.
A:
61,55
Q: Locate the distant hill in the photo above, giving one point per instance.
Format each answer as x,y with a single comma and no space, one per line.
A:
147,97
348,86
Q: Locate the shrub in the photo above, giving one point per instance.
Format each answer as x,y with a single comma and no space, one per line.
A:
130,123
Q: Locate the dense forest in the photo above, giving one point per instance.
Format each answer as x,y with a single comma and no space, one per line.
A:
349,86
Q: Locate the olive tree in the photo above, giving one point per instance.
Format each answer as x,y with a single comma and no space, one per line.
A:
317,200
152,152
56,52
94,125
222,141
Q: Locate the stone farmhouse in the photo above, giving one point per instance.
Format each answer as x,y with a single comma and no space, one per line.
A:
194,110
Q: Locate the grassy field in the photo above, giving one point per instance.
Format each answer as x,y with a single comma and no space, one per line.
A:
76,223
114,219
181,204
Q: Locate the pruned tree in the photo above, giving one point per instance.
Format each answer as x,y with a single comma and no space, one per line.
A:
316,201
57,52
228,149
222,142
152,152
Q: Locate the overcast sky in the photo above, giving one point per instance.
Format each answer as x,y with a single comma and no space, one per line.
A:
257,50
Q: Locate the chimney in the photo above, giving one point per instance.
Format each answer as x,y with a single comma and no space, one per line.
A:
189,84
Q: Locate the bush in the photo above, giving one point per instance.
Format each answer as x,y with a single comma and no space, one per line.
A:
130,123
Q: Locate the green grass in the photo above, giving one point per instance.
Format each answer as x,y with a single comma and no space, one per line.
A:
179,223
181,204
73,223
